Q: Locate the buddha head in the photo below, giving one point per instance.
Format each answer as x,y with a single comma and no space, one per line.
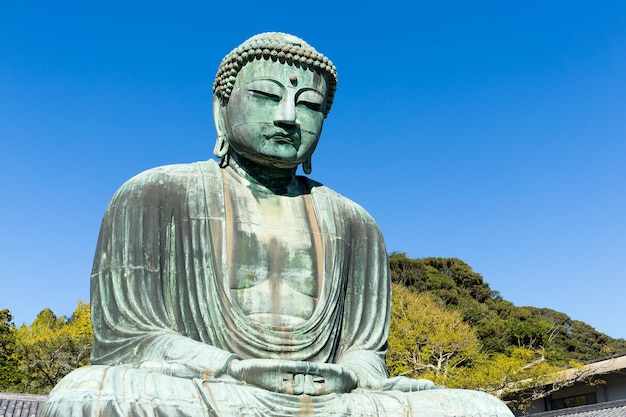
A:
270,97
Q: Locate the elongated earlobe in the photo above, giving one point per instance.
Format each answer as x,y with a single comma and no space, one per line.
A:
221,146
221,143
221,150
306,166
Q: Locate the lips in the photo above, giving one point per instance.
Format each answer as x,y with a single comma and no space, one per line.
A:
283,137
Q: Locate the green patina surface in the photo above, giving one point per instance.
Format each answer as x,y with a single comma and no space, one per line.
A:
240,288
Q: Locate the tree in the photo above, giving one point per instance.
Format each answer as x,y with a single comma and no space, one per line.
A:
9,368
429,340
52,347
426,340
521,353
499,324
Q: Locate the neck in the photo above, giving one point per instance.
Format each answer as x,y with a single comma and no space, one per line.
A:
275,179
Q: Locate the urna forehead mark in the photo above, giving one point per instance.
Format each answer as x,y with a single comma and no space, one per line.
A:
277,47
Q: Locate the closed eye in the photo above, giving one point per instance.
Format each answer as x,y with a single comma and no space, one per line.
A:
265,94
311,105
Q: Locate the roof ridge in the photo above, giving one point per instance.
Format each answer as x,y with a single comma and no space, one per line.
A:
582,408
22,396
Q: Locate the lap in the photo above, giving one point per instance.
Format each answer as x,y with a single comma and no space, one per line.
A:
124,391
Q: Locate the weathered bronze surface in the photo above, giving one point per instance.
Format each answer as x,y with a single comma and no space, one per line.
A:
239,288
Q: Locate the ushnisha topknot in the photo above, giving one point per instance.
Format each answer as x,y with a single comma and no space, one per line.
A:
277,46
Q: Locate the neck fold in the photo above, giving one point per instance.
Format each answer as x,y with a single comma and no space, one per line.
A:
278,180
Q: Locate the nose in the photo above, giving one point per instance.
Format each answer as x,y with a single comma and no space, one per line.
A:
286,112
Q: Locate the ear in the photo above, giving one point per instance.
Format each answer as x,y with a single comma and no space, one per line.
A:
221,143
218,117
306,166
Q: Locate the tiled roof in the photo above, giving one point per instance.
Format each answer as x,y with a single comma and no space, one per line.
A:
606,409
20,405
29,405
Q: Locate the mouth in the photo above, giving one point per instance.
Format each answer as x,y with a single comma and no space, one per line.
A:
283,138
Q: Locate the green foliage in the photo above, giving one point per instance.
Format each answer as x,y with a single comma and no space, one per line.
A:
52,347
516,376
498,323
573,339
427,340
9,366
509,346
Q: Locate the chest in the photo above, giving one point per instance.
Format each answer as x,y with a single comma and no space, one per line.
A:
273,240
273,253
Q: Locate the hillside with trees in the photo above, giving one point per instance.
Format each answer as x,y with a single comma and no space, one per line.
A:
447,325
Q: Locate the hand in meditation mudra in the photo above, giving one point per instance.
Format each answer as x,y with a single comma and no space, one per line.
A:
240,289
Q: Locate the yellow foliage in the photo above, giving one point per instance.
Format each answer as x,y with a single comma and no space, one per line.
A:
426,340
52,347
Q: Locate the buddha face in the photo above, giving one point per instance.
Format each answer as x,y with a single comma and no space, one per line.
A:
275,113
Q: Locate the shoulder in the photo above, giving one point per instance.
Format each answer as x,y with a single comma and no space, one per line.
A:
338,203
173,173
168,181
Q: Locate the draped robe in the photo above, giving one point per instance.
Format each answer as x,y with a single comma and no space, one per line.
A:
166,325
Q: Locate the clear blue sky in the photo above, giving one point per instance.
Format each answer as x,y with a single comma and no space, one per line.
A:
490,131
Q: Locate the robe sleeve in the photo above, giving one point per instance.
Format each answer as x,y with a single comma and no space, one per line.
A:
368,303
146,308
366,312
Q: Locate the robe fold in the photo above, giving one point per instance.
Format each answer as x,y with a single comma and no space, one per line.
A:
166,325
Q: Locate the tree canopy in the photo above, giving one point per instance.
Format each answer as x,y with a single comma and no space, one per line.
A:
499,324
9,369
34,358
448,325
